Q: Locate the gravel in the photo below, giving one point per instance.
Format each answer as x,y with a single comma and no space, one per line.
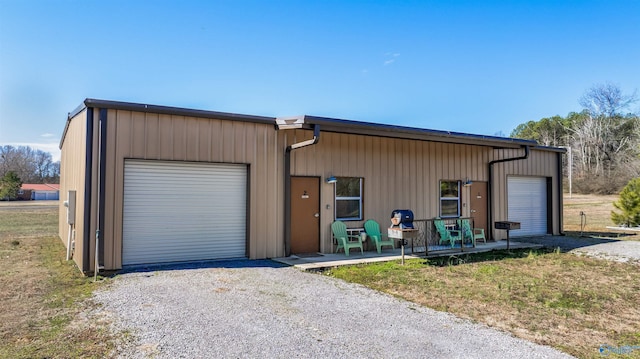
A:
610,249
259,309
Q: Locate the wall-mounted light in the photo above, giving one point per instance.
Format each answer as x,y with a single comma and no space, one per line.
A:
331,179
467,182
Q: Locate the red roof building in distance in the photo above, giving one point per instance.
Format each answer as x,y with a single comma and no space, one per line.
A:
39,191
40,186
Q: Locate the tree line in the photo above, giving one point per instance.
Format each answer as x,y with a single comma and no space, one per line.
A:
23,164
604,138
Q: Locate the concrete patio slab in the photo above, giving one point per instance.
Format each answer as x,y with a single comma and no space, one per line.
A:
329,260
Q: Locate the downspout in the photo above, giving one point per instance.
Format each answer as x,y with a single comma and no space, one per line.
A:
86,242
490,186
287,185
102,141
560,191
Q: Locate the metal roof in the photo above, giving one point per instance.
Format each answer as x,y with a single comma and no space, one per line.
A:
40,186
395,131
326,125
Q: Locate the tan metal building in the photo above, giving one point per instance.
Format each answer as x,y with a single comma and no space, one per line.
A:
154,184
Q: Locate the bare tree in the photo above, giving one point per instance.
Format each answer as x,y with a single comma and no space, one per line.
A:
32,166
606,100
605,139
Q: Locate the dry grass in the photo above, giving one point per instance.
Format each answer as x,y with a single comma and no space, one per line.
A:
572,303
597,210
43,296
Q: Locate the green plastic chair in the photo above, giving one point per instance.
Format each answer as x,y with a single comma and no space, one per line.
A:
472,234
373,231
343,239
445,234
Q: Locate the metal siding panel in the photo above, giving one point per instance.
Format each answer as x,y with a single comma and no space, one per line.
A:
240,143
166,137
152,135
183,211
418,180
227,142
112,241
527,204
457,161
204,141
260,195
179,138
217,139
191,133
138,134
72,170
360,153
383,175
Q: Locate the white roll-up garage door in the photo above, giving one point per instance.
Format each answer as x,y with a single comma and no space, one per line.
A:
527,204
177,211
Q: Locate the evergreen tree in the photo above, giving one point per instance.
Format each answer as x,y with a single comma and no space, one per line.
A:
10,184
629,205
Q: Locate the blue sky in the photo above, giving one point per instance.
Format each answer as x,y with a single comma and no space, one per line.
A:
479,67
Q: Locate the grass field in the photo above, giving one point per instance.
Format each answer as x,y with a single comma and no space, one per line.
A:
43,296
596,216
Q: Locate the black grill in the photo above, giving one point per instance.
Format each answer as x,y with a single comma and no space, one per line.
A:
508,225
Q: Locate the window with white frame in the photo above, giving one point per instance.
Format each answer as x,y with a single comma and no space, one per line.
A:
348,195
449,199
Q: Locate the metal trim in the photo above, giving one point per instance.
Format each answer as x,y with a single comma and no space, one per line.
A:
70,116
560,194
130,106
102,138
383,130
86,240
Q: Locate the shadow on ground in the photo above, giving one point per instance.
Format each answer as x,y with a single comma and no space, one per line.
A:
227,263
568,243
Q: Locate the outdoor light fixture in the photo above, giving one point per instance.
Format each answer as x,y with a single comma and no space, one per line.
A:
331,179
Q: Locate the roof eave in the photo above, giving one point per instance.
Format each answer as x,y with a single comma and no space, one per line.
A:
383,130
179,111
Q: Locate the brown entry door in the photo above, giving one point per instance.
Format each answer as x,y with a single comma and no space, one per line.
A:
305,214
478,206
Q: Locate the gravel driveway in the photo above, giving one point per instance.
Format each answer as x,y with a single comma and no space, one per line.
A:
258,309
610,249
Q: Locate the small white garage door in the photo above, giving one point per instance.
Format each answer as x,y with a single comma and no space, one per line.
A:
527,204
41,195
177,211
